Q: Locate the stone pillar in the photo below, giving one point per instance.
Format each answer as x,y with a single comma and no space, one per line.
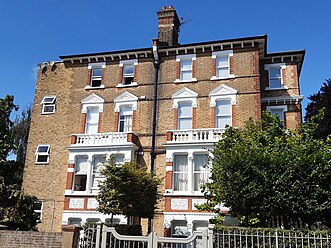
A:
70,236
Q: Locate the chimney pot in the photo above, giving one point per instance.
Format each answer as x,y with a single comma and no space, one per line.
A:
164,7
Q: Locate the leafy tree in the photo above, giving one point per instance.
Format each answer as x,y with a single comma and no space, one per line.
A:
264,170
124,188
16,208
320,103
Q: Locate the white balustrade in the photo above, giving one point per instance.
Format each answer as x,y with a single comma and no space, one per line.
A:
197,135
101,139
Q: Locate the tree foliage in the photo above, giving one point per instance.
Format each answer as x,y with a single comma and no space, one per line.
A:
128,189
16,208
320,105
264,170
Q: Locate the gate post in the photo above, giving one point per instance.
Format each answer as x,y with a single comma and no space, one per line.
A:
210,235
99,227
104,236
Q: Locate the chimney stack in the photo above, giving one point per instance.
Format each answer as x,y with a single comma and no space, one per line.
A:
168,26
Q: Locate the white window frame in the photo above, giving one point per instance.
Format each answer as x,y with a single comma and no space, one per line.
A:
124,63
48,104
39,211
216,55
279,66
283,108
92,66
187,173
204,171
88,169
88,123
179,118
180,59
42,154
223,115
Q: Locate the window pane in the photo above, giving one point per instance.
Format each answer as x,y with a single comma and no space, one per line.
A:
97,72
222,61
92,121
222,121
200,161
49,108
98,163
185,109
119,159
185,123
42,158
74,221
223,72
128,69
180,163
186,64
186,75
275,83
278,112
49,100
43,149
274,73
126,110
81,165
80,183
223,107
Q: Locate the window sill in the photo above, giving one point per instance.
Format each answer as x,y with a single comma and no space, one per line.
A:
169,192
88,87
214,78
69,192
185,81
41,163
133,84
47,113
278,88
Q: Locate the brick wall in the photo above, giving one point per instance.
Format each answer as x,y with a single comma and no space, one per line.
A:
18,239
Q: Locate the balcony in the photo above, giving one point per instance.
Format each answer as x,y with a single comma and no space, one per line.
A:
104,139
205,135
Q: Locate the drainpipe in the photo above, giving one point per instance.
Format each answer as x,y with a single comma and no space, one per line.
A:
156,75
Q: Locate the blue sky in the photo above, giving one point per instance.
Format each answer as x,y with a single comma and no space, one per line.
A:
35,31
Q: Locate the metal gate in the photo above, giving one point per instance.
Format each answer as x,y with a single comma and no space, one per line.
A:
107,237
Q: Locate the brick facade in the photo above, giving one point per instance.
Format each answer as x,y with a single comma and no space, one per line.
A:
52,183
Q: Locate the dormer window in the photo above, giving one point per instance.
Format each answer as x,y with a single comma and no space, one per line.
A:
128,73
96,75
48,103
275,76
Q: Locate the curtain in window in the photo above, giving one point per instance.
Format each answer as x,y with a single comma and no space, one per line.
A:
125,122
97,166
201,174
180,173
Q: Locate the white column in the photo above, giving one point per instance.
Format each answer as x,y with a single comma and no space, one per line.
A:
89,174
190,172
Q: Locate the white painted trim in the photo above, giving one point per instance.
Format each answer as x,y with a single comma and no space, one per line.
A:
223,92
278,88
133,84
42,154
283,107
222,53
168,168
99,64
185,95
128,61
126,98
92,101
186,81
71,170
186,57
89,87
275,65
214,78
